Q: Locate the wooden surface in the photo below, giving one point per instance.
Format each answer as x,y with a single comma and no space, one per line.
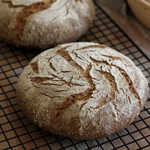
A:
133,28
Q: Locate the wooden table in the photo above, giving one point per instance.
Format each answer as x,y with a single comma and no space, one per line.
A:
133,28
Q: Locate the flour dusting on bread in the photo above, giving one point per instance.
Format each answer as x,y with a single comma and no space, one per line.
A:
44,23
89,86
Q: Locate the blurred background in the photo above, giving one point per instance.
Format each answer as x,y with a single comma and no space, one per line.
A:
133,16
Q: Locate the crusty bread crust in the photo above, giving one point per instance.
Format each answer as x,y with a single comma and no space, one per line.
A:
44,23
82,90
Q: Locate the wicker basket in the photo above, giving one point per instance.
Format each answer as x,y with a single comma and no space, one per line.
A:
141,9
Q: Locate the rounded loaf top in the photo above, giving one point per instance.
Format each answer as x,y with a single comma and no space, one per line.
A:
44,23
82,90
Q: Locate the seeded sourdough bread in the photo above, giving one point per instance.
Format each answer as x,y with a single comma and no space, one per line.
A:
44,23
82,90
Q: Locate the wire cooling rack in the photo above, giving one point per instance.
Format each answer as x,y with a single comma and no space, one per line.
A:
18,133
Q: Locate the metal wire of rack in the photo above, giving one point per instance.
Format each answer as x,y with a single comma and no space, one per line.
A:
18,133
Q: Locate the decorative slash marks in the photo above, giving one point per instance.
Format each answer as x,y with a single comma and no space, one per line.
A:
27,11
35,67
124,74
87,94
80,96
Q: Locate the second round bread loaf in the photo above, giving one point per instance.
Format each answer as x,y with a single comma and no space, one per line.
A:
44,23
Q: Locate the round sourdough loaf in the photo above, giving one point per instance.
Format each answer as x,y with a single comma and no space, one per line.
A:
82,90
44,23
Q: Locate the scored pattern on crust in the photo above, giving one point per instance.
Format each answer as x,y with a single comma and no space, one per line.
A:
79,1
44,23
85,73
35,67
27,11
10,4
124,74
